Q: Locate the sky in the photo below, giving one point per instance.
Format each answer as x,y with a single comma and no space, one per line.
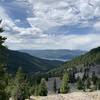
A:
51,24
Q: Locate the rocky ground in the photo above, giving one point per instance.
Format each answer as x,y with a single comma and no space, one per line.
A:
71,96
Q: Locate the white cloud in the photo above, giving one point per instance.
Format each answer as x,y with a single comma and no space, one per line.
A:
97,26
48,14
52,13
84,42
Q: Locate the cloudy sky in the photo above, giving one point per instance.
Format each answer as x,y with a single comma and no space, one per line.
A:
51,24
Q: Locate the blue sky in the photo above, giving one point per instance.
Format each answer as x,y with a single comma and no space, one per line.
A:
51,24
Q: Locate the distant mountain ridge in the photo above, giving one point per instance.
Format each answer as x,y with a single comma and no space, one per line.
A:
59,54
29,64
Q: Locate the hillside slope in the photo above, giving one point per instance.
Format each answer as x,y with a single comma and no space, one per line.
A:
86,60
28,63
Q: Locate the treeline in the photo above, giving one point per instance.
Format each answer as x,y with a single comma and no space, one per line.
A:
20,86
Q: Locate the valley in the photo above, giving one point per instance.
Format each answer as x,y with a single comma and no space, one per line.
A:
57,54
28,63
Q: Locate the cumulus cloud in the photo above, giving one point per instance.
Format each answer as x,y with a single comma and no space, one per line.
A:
30,21
66,11
84,42
97,26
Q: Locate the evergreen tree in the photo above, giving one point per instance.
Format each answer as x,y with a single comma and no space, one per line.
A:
32,90
55,86
65,86
3,95
20,89
80,85
36,92
43,88
98,84
2,50
88,83
94,78
86,75
72,76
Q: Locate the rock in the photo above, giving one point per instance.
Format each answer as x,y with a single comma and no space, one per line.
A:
71,96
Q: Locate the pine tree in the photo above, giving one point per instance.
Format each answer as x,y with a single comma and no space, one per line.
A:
94,78
65,86
80,85
43,88
86,75
20,76
2,49
98,84
36,92
20,88
55,86
3,95
32,90
88,83
72,77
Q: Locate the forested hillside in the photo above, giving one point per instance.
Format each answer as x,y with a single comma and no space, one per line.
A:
28,63
88,59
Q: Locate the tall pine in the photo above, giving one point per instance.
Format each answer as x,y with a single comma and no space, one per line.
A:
20,89
3,95
65,86
55,86
43,88
80,84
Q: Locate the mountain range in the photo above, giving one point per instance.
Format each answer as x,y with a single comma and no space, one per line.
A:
32,64
58,54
